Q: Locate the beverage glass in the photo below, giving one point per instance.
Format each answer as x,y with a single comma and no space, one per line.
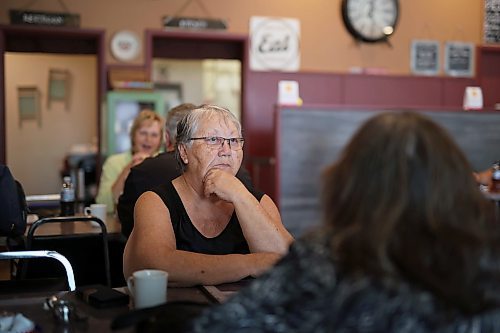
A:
148,287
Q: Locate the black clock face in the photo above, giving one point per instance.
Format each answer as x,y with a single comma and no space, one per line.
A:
370,20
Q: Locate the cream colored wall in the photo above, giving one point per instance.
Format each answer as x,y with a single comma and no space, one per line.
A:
35,154
188,73
222,84
203,81
325,44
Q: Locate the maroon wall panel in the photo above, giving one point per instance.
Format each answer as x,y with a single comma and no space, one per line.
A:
491,91
261,99
262,95
372,91
489,75
453,91
392,91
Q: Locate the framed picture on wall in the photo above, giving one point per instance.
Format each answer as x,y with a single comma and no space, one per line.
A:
425,57
59,87
29,104
459,59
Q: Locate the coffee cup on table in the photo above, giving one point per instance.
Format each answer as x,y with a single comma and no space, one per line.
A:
148,287
97,210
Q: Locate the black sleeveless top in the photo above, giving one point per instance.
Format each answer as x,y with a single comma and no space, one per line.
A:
188,238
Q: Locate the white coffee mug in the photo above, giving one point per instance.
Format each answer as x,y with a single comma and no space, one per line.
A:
148,287
97,210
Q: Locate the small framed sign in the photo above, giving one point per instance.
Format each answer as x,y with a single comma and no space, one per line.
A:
194,23
29,104
59,87
25,17
288,93
425,57
473,98
274,44
459,59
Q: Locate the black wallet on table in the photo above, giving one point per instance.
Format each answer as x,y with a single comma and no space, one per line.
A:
101,296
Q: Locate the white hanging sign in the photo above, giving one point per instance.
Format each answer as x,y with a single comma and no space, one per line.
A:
274,44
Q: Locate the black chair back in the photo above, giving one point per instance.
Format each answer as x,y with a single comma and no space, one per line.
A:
38,285
88,252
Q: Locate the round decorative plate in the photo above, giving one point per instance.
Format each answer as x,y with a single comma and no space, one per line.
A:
125,45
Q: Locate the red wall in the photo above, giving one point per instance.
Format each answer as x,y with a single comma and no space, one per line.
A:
356,90
488,72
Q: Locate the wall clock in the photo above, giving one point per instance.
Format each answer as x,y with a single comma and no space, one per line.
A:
125,45
370,20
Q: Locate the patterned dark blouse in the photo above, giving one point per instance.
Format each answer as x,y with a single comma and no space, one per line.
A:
305,293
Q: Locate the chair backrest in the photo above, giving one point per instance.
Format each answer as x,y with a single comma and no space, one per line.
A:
44,254
13,208
88,252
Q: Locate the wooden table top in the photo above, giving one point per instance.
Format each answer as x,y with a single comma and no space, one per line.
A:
98,320
113,226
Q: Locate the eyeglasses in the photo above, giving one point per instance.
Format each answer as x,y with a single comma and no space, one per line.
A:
218,142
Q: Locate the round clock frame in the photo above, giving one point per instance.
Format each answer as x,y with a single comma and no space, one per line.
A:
370,21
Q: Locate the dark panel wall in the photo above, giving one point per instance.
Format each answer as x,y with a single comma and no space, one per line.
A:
310,139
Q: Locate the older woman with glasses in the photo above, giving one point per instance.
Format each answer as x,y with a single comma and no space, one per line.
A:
206,227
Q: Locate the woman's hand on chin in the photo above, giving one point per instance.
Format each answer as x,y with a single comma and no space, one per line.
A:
223,184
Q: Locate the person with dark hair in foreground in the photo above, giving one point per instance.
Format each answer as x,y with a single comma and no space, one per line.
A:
407,245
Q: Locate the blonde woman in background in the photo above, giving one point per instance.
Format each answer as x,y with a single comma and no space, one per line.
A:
146,136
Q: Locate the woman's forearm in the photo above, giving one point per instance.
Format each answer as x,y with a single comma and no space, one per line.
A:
189,268
261,225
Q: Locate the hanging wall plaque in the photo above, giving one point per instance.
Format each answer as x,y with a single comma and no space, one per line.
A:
59,87
25,17
425,57
29,104
459,59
